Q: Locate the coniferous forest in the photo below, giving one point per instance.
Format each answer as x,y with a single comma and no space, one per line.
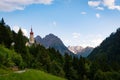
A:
102,64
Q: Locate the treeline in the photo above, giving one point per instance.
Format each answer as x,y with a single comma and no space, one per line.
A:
48,60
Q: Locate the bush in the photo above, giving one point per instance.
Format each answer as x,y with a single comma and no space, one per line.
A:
9,58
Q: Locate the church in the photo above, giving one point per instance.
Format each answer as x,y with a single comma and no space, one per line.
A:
31,39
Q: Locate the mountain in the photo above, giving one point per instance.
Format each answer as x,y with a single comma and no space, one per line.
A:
78,50
38,40
85,52
53,41
108,53
75,49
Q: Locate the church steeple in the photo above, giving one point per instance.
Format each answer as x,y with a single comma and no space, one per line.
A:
31,39
31,33
31,29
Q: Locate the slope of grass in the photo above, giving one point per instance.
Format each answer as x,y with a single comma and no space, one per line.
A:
30,75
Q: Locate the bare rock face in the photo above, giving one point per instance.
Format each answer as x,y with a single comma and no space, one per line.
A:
80,51
75,49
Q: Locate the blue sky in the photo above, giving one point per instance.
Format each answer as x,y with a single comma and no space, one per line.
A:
76,22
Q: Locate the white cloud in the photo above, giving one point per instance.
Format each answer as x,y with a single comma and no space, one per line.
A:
25,32
16,29
92,40
67,42
84,40
94,3
110,4
83,13
76,35
96,41
97,15
11,5
100,8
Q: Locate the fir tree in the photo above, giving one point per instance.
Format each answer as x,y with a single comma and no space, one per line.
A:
5,34
20,43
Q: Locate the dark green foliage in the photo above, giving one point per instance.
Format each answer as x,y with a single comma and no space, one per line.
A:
20,43
82,70
68,66
75,62
56,69
100,76
9,58
108,53
93,69
20,47
106,75
2,22
5,34
42,59
70,72
56,56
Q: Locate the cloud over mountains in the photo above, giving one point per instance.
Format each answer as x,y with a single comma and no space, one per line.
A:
11,5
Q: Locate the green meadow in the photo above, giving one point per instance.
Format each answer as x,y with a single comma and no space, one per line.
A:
29,75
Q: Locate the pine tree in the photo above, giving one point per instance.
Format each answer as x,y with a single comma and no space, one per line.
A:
2,22
81,68
5,34
20,43
70,73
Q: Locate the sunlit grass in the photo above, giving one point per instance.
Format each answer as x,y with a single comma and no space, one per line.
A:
30,75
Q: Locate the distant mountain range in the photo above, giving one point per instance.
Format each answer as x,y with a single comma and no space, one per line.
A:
79,50
75,49
53,41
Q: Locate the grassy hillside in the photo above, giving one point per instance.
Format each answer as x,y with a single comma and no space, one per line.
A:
9,58
30,75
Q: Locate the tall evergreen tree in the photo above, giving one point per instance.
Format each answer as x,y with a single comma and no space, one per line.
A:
2,22
20,43
70,73
81,68
5,34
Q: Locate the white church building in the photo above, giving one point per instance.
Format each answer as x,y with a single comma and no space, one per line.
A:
31,39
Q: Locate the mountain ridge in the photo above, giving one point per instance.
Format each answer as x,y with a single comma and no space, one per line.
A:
53,41
80,51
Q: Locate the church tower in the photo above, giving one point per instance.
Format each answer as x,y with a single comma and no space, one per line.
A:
31,39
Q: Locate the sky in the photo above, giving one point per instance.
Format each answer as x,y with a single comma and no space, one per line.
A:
75,22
